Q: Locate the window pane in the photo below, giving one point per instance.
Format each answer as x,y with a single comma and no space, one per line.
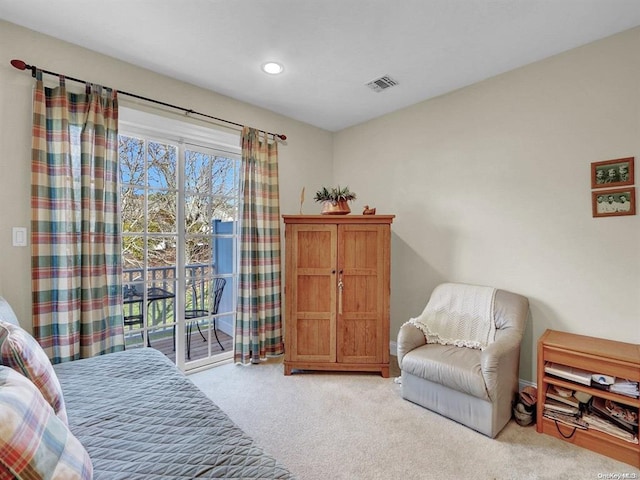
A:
132,205
195,272
131,158
224,255
197,178
224,176
161,169
132,252
223,209
196,214
161,252
162,216
198,251
161,299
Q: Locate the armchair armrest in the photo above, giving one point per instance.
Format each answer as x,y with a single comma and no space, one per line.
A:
500,361
410,337
500,364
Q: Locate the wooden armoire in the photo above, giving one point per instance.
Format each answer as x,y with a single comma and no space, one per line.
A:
337,292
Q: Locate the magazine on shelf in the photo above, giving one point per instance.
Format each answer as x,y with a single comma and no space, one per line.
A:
625,387
569,420
557,406
601,424
563,395
569,373
623,416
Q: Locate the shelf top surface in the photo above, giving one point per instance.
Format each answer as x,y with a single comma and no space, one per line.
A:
621,351
338,218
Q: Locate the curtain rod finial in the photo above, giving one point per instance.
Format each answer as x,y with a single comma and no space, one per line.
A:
19,64
282,136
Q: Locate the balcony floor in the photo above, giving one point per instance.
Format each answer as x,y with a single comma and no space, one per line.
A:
199,348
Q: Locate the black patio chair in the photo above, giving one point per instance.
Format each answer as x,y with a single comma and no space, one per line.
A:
191,316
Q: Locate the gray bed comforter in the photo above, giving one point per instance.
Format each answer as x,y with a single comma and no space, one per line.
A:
139,417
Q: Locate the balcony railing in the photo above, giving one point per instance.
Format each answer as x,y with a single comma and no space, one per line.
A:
161,313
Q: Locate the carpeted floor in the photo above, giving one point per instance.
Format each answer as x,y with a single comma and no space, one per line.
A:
357,426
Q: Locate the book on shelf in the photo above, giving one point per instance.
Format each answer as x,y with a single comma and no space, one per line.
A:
556,406
569,373
563,395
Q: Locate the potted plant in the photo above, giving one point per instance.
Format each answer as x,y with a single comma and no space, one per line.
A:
335,201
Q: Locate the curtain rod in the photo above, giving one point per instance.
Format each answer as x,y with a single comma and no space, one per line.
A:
20,65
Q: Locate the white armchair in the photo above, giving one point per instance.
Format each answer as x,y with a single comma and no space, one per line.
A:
471,386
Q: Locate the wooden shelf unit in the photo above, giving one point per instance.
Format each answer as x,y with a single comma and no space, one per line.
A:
619,359
337,292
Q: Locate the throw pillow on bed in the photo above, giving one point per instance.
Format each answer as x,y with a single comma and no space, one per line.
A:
7,314
34,442
23,353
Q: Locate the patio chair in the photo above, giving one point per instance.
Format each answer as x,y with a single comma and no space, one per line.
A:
192,315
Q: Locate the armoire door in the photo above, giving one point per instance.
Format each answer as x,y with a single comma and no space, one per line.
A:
311,293
363,293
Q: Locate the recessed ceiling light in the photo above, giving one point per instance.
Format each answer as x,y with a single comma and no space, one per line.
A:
272,68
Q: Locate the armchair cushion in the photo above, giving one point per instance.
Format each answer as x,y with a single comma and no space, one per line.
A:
454,367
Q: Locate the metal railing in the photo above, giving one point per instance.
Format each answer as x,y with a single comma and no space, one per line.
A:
162,312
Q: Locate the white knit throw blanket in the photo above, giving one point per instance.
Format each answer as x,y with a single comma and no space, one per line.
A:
460,315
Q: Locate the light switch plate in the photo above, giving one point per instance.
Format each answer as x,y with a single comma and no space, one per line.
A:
19,236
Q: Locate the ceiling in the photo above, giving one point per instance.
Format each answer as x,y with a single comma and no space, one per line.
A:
330,48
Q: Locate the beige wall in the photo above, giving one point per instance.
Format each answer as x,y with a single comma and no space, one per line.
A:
491,186
304,160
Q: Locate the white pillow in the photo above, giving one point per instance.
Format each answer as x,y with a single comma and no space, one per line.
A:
7,314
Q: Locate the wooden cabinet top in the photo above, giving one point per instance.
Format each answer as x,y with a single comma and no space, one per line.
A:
621,351
337,219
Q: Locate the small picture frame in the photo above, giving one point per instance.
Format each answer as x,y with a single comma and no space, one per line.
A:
612,203
612,173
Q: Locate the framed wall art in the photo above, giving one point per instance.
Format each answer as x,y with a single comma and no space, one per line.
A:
612,173
611,203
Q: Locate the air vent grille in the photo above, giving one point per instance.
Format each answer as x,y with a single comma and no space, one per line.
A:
382,83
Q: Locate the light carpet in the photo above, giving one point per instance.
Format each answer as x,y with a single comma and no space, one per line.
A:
358,427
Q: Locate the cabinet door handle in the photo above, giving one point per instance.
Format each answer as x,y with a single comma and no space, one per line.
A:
340,288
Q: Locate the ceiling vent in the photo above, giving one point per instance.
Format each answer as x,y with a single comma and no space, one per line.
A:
382,83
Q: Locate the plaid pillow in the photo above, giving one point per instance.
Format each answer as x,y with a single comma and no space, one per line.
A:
5,474
20,351
34,443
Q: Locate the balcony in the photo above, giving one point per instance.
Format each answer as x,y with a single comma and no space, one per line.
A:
156,308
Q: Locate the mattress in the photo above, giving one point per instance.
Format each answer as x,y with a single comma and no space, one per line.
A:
139,417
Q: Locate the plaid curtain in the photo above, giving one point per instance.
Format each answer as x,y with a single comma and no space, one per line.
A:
258,318
75,227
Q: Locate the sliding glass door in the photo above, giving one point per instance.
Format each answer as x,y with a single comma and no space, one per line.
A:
179,204
210,212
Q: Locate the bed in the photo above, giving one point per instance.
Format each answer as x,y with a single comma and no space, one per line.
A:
139,417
